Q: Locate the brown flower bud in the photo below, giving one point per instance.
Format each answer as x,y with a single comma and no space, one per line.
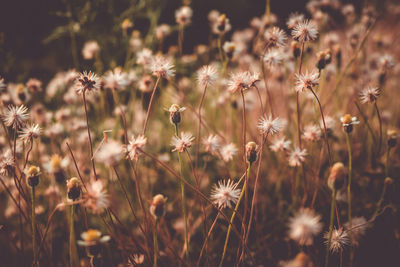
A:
32,176
251,152
391,138
157,208
337,176
73,188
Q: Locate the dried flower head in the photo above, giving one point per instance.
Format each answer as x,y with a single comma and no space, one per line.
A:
87,82
228,151
183,15
339,240
358,227
337,176
16,116
206,75
275,37
32,175
134,147
211,144
73,188
297,157
162,67
7,165
268,125
225,193
182,143
92,237
96,198
305,31
294,19
116,79
280,144
110,153
273,57
304,226
348,121
30,132
157,207
175,113
251,152
242,80
306,81
312,133
369,95
90,50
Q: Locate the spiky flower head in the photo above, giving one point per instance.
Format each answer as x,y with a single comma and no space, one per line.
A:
269,126
182,143
162,67
280,144
206,75
242,80
304,226
306,80
339,240
228,151
312,133
358,228
96,197
116,79
87,82
16,117
297,157
211,144
110,153
305,31
30,132
369,95
225,193
275,37
134,146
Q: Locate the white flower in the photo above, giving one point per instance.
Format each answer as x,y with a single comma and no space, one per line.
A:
110,153
132,149
183,15
339,240
348,120
96,198
305,31
358,227
304,226
211,144
242,80
369,95
294,19
268,125
144,57
116,79
206,75
162,67
225,193
182,143
228,151
273,57
87,82
280,144
162,31
312,133
30,132
16,116
297,156
90,49
306,81
275,37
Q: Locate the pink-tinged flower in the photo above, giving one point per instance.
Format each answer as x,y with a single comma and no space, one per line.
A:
87,82
30,132
206,75
242,80
297,156
211,144
305,31
96,197
183,15
144,57
268,125
339,240
306,81
90,49
134,147
275,37
304,226
280,144
162,67
182,143
115,79
162,31
228,151
225,193
16,116
312,133
369,95
273,57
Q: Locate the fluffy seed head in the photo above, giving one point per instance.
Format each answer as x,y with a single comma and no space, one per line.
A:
225,193
134,146
297,156
268,125
162,67
87,82
304,226
339,240
306,81
369,95
16,116
182,143
305,31
206,75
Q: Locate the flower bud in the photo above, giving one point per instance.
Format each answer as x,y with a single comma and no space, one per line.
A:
221,22
157,208
175,113
251,152
392,138
337,176
388,181
73,188
32,176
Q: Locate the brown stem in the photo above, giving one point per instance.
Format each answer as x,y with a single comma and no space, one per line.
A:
380,128
199,126
150,103
89,136
27,153
206,240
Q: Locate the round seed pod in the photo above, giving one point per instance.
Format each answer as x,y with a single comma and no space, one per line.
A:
157,208
251,152
337,176
73,188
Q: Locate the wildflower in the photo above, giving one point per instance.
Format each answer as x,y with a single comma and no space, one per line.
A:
175,113
304,226
339,240
157,207
386,62
268,125
297,156
211,143
16,116
391,138
348,121
294,19
96,198
329,122
110,153
7,165
28,133
337,176
146,84
162,31
275,37
92,238
183,15
323,59
273,57
34,85
369,95
73,188
134,147
280,144
225,193
182,143
116,79
90,50
144,57
305,31
229,49
228,151
162,67
87,82
251,152
306,81
221,25
242,80
32,175
359,226
312,133
206,75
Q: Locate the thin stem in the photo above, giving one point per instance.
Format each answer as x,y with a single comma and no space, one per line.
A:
333,204
73,253
206,240
33,227
298,98
150,104
199,126
155,243
243,125
27,153
180,39
183,198
325,131
89,136
387,161
349,195
234,214
380,128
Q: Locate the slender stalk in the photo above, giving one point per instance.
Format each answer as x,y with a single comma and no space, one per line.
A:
27,153
243,125
333,204
380,128
151,102
349,196
206,240
220,51
199,126
73,253
387,162
234,214
155,243
183,198
89,136
180,39
325,131
298,98
33,227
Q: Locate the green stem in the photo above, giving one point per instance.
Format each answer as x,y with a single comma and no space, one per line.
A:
380,128
155,243
33,227
234,213
349,196
333,204
183,198
73,253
